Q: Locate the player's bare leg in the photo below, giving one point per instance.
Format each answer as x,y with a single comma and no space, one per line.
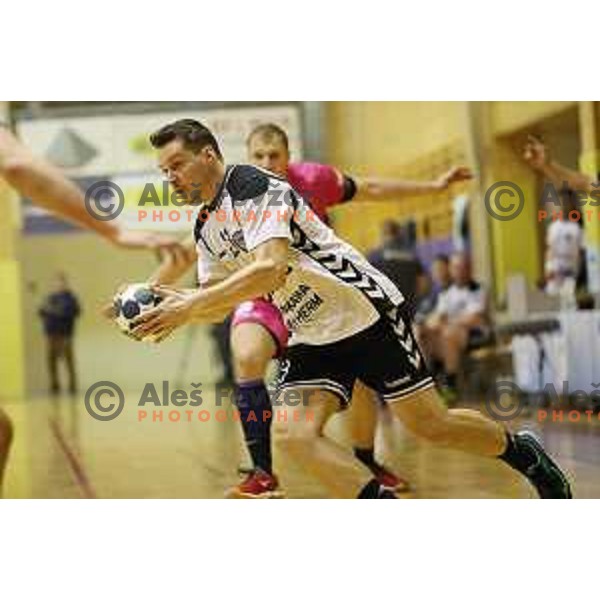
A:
336,468
253,348
363,419
426,416
6,436
429,337
454,340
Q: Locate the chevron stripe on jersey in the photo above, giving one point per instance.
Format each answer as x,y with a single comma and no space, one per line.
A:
405,337
343,269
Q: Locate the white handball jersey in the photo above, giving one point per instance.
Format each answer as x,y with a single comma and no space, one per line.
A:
331,291
461,301
564,240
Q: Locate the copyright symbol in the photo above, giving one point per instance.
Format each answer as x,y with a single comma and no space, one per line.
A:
100,203
100,408
504,200
496,408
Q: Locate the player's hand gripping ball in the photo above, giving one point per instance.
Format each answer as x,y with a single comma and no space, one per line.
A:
131,302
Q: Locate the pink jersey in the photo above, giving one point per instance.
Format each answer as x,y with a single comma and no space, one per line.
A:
322,185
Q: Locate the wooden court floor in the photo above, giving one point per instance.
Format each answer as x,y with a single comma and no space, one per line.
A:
60,451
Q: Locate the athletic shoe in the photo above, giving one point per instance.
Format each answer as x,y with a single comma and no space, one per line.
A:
545,475
389,480
258,485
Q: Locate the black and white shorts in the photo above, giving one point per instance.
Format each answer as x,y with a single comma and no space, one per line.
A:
385,357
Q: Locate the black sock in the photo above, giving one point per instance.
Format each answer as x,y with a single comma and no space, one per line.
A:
373,491
514,456
370,491
366,457
256,415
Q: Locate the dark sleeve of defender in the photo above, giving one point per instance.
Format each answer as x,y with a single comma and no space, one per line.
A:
349,188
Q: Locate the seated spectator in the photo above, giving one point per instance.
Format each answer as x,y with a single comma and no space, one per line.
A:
429,288
458,321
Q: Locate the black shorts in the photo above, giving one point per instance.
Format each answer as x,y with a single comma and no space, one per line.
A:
385,357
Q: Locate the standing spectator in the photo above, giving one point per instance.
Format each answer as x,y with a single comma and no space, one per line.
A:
396,258
565,248
59,313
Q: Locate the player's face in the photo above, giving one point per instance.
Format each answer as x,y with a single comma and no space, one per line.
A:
270,154
459,270
187,172
60,283
440,272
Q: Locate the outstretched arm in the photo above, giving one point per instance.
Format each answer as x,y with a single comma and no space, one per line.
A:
373,188
46,186
537,156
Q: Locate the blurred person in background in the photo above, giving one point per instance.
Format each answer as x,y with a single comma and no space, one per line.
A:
59,313
459,320
440,273
396,258
564,260
429,288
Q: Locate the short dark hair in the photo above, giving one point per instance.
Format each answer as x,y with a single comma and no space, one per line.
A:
194,135
442,258
268,131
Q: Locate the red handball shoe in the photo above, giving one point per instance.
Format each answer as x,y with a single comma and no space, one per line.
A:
389,480
257,486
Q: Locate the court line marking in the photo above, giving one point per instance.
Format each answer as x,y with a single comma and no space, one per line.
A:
76,466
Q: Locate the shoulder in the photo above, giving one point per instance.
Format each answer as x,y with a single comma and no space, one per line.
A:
246,182
310,171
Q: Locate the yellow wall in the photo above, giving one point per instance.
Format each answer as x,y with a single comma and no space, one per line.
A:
508,117
516,243
419,140
11,349
389,139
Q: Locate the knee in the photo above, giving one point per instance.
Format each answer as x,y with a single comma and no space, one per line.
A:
302,433
307,430
453,335
250,361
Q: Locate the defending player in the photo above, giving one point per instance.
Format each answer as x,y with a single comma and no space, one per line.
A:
255,327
